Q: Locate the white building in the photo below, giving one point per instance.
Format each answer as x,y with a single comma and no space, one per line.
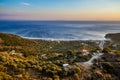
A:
65,65
12,52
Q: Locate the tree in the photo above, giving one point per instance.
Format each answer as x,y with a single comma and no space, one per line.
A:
77,70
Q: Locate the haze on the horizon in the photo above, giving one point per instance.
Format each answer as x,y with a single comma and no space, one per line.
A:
59,9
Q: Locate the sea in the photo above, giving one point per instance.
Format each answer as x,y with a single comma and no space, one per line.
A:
61,30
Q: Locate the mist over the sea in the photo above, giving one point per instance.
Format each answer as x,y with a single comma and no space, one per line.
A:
60,30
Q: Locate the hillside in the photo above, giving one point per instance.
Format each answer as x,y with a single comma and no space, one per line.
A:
28,59
113,36
115,40
10,42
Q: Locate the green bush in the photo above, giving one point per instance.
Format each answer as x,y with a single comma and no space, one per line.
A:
4,76
56,77
106,50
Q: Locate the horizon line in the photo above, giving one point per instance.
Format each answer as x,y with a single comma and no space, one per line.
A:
56,20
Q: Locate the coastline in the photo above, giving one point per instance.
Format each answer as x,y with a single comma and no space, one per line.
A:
55,54
54,39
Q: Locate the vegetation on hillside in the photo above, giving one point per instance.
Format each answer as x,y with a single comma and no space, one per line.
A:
114,36
26,59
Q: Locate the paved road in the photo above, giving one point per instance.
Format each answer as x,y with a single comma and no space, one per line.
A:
94,56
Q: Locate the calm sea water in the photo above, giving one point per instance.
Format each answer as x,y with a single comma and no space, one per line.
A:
60,30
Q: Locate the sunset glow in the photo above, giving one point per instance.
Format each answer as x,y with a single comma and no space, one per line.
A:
60,10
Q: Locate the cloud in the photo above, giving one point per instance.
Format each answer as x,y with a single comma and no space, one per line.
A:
25,3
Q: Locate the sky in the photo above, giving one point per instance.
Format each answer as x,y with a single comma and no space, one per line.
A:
59,9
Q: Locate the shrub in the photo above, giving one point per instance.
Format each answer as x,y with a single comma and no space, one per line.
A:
4,76
56,77
49,79
76,76
106,50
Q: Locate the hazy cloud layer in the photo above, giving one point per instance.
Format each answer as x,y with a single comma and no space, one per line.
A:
25,3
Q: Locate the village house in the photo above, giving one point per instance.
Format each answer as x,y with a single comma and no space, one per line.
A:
44,56
65,65
85,52
14,53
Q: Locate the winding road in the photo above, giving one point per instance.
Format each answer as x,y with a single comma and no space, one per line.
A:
94,56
